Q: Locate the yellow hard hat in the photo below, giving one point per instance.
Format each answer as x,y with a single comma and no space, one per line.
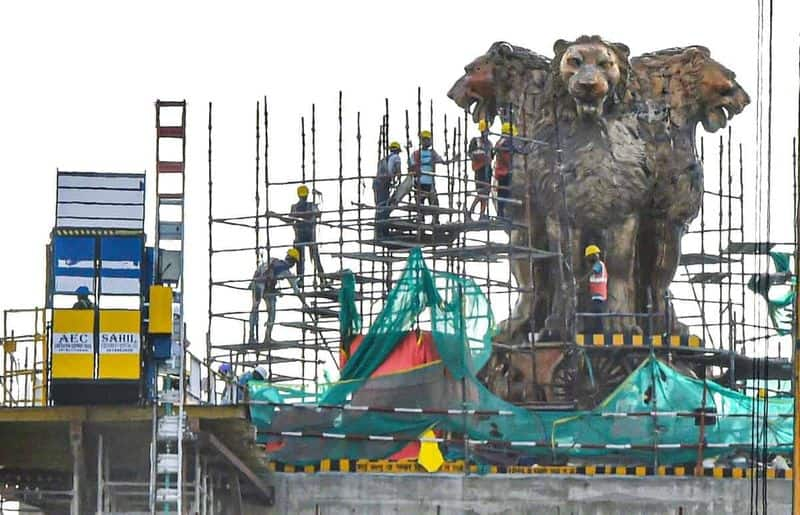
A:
425,134
302,191
591,250
394,145
482,126
293,253
509,128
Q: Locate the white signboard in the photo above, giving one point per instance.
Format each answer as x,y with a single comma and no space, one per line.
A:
100,200
195,382
119,343
73,343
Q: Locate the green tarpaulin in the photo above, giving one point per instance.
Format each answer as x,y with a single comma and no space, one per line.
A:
462,326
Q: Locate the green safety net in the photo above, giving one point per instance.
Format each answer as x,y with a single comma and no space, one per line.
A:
462,327
780,307
349,320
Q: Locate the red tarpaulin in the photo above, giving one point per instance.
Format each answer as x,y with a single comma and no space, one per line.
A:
412,351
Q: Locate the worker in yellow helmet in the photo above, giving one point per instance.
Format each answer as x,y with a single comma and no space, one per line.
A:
597,288
389,171
480,154
422,164
503,149
264,286
303,216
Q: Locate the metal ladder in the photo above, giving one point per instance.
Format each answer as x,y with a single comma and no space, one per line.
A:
169,428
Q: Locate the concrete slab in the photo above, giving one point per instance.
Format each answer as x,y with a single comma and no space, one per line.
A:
507,494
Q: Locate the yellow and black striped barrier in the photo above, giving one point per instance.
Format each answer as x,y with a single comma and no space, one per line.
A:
457,467
90,231
637,340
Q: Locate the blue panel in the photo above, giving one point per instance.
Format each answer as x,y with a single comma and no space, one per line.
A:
121,256
121,264
73,263
162,346
149,267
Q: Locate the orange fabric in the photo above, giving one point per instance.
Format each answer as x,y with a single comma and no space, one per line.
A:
409,452
409,352
502,160
598,283
479,159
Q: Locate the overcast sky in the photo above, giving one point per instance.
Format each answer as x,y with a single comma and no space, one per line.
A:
79,80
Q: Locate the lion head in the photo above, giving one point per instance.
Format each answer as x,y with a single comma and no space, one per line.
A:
695,87
490,81
592,72
719,96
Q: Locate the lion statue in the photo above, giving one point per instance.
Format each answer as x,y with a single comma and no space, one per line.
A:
611,161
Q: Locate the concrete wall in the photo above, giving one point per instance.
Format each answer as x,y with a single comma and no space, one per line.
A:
440,494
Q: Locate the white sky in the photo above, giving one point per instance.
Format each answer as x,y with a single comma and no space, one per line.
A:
79,80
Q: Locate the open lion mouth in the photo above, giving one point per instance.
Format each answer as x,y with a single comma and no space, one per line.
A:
482,108
589,109
717,118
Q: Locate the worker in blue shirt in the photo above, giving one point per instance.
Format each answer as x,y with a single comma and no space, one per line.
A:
230,380
422,164
263,286
257,374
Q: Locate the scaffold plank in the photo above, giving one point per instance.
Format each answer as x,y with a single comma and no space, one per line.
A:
493,251
709,277
276,360
749,247
702,259
273,346
312,327
320,312
368,256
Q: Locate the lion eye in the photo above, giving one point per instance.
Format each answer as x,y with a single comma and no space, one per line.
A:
574,61
725,89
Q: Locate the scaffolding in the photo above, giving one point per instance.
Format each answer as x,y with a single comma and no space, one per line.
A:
709,294
24,379
346,237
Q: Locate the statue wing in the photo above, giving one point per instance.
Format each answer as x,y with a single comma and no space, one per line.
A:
687,87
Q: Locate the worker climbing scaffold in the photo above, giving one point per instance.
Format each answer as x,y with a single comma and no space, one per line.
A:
263,286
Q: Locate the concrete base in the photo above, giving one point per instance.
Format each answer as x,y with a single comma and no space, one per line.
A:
335,493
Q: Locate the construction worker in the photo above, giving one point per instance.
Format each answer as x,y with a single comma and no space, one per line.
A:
229,377
304,219
480,153
389,169
422,164
503,149
259,373
598,289
83,299
264,287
